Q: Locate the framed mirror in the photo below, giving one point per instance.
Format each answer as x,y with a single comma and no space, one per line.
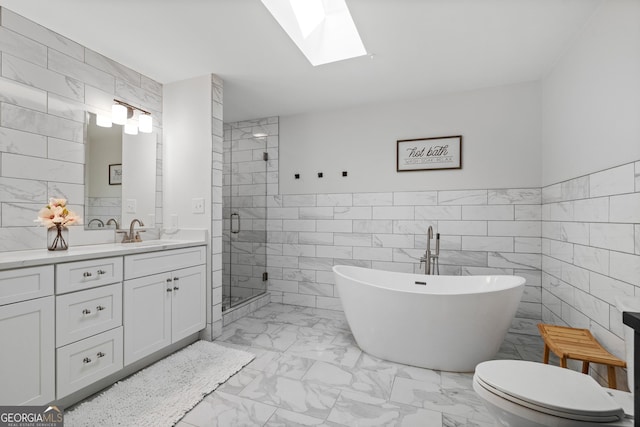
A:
120,177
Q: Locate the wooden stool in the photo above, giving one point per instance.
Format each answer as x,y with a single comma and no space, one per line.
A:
578,344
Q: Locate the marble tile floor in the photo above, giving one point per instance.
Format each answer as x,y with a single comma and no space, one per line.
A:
308,371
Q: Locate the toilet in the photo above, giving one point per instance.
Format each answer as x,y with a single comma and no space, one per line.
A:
519,393
531,394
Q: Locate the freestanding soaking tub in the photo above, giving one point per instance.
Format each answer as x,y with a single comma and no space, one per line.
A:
448,323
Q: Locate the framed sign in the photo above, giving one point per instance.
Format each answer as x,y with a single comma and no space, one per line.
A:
429,153
115,174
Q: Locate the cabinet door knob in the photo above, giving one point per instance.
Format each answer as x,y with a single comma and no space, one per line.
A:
100,307
87,274
175,288
169,280
86,360
100,354
169,289
102,272
175,279
86,311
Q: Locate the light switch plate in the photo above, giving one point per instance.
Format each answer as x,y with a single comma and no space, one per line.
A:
130,206
197,205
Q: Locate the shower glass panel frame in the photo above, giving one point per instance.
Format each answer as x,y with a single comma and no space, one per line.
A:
245,216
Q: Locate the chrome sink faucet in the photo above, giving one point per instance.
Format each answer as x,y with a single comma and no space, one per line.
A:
113,221
430,258
98,221
130,237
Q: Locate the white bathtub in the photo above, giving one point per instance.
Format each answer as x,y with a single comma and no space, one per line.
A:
452,323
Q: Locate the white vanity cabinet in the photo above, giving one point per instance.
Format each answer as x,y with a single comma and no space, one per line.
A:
70,321
27,363
163,308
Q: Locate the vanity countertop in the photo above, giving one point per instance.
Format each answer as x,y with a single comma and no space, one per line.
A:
35,257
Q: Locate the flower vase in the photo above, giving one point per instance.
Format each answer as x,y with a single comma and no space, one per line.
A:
58,238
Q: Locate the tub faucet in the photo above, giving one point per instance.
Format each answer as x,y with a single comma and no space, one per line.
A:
114,222
430,258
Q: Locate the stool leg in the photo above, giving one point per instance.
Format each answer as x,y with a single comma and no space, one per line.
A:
585,367
546,354
612,377
563,362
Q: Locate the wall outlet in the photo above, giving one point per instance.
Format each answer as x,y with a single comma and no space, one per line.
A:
197,205
130,206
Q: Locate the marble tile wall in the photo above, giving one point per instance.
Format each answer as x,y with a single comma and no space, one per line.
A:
214,321
495,231
47,83
591,251
247,180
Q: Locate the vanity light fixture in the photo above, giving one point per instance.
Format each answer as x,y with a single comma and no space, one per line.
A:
145,123
131,127
103,121
322,29
122,114
119,114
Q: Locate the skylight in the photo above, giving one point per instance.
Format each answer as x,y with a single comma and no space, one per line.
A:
322,29
309,14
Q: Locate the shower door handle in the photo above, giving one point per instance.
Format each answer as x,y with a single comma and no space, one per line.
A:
235,230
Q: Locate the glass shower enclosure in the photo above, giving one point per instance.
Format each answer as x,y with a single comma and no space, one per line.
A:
244,212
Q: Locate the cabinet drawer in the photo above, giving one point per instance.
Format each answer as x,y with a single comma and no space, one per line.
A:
87,361
158,262
25,283
82,314
76,276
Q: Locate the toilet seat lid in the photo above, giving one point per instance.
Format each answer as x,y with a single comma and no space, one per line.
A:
549,389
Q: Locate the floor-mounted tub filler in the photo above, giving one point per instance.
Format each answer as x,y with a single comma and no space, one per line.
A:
448,323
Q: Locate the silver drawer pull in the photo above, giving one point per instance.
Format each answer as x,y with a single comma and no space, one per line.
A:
87,274
175,288
100,308
86,360
102,272
86,311
100,354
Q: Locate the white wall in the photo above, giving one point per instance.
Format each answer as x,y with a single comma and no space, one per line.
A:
501,143
187,151
591,99
590,140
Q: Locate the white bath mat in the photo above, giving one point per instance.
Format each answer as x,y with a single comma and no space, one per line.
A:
162,393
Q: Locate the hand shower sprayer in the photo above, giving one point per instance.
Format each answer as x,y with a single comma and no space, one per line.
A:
432,265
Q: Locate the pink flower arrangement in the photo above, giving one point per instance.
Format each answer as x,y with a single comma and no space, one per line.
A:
56,214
